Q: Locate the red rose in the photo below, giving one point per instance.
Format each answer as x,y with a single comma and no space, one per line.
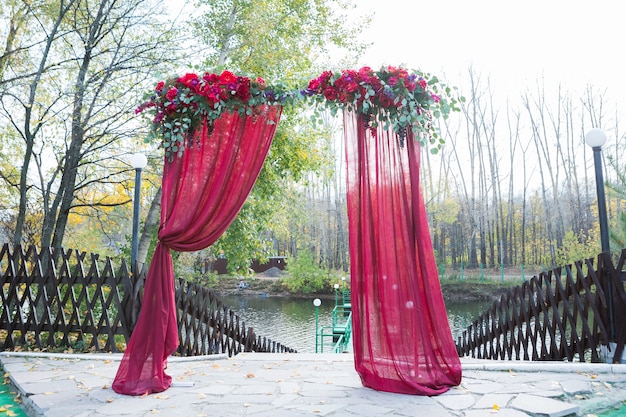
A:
392,81
436,98
330,93
211,78
352,86
365,72
422,83
314,85
160,86
410,86
325,77
171,94
243,89
188,79
227,77
171,108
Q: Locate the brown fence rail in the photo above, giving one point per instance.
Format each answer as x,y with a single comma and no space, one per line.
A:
62,299
568,313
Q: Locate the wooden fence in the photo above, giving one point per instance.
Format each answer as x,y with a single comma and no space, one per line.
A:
60,299
569,313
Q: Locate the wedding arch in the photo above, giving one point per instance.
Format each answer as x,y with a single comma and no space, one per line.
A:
216,130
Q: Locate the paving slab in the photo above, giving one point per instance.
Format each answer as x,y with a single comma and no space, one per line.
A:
293,385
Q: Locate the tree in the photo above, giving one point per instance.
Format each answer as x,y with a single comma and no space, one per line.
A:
281,41
71,103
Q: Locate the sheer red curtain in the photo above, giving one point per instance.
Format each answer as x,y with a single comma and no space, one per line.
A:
401,335
203,190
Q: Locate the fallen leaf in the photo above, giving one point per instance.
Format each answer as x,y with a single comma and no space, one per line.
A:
496,407
110,400
249,375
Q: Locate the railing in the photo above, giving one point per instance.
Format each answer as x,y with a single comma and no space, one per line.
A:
207,326
65,299
569,313
340,330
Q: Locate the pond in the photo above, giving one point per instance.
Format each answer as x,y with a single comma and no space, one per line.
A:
291,321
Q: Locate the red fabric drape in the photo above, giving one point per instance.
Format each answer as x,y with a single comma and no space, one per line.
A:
401,335
203,190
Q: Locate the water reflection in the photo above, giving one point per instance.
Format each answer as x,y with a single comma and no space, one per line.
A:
291,321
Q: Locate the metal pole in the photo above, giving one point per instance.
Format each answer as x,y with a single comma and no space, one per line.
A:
602,216
317,303
604,230
135,238
316,327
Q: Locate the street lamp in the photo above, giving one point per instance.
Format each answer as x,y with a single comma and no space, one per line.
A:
317,303
138,161
596,138
336,295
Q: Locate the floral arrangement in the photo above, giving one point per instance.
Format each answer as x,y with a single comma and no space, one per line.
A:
391,96
179,105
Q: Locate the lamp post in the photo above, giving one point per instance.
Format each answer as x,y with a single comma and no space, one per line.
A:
317,303
138,161
596,138
336,295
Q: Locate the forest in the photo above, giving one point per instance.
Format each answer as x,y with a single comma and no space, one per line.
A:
512,185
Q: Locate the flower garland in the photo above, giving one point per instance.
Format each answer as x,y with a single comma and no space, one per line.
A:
179,105
391,96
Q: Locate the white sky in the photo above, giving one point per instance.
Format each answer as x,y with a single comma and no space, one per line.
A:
514,43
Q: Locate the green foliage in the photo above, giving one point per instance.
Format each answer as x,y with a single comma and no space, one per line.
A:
279,40
576,248
242,242
305,275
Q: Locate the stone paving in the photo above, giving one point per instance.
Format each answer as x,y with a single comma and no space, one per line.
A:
293,385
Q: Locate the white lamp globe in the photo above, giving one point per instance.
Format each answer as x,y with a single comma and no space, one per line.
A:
596,138
138,160
317,302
